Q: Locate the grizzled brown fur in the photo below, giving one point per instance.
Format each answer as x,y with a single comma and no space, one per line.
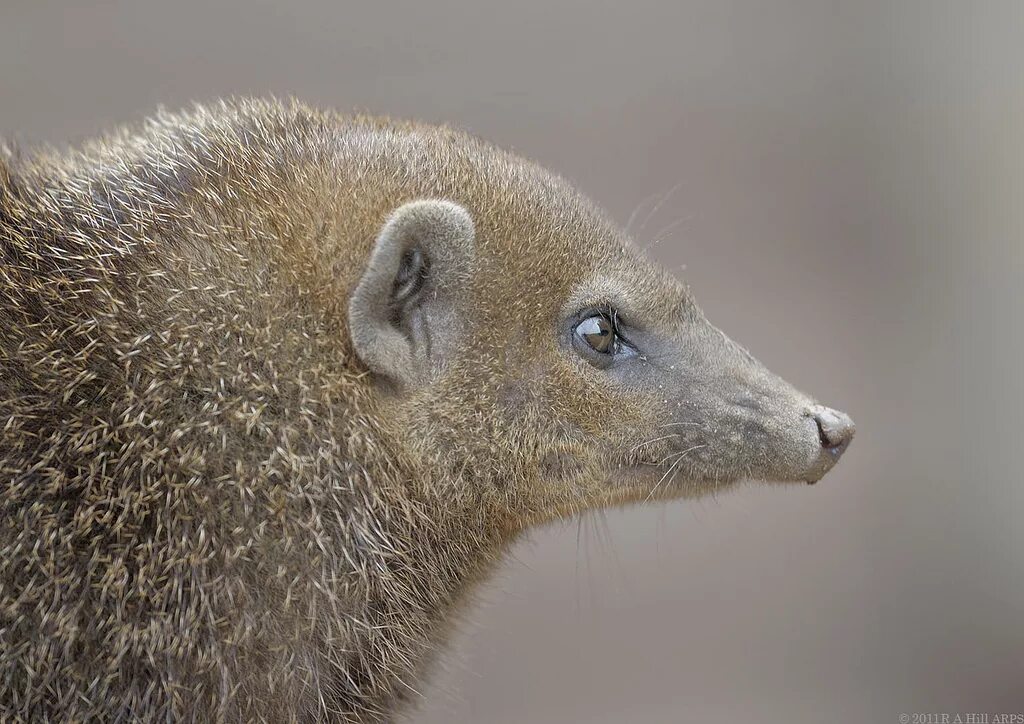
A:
200,512
200,509
210,508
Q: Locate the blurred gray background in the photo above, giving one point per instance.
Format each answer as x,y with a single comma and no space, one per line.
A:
844,182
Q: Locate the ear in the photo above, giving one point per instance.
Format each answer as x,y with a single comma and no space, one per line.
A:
405,298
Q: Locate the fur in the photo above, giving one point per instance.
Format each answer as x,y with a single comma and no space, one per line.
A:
211,510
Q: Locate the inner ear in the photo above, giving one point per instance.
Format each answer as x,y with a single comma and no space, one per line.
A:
409,282
419,259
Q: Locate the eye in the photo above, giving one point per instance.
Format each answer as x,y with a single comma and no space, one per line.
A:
599,332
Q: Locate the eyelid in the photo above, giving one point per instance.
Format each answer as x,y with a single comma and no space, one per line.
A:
604,307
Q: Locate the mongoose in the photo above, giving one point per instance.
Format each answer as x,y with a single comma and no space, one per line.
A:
278,386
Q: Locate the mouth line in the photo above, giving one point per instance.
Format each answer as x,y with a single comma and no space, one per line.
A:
635,474
660,481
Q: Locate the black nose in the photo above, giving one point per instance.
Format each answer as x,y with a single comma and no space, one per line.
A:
835,429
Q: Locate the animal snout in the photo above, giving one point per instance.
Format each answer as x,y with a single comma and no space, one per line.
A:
835,429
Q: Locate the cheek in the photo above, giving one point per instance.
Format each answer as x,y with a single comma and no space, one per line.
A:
560,466
539,407
517,396
598,405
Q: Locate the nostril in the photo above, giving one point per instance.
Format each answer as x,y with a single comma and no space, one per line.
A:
835,429
822,436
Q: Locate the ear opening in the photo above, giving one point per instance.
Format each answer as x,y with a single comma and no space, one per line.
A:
409,282
426,243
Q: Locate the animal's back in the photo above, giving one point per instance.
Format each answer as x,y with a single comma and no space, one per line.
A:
163,468
85,546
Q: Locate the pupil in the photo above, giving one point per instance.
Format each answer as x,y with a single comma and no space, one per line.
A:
599,333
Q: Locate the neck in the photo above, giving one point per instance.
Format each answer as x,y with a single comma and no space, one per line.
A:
418,561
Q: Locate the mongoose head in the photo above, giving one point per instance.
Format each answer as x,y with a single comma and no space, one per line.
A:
522,338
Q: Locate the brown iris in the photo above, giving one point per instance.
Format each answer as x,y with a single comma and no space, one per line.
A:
599,332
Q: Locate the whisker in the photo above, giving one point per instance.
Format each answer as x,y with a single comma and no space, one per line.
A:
657,439
667,457
674,474
636,210
665,233
679,459
665,197
680,423
658,485
657,197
